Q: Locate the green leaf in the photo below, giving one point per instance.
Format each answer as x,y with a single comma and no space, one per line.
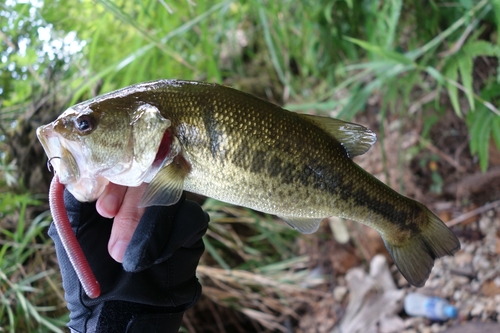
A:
482,125
451,74
392,21
467,4
28,59
435,74
211,249
496,11
357,101
465,67
276,57
386,54
481,48
476,121
484,142
495,130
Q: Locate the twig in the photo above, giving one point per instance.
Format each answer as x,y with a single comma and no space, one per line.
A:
217,317
422,101
187,323
472,213
460,42
436,150
477,97
442,36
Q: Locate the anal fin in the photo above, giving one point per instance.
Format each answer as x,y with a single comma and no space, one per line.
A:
304,225
167,185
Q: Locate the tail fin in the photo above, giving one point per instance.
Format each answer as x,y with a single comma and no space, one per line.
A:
415,258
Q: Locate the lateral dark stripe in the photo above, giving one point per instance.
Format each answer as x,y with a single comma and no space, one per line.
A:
213,134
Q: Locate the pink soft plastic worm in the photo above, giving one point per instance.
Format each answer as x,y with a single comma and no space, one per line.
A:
69,241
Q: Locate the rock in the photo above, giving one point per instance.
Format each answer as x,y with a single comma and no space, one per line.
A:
475,286
475,328
469,248
485,224
463,258
477,310
413,322
392,324
480,262
339,229
448,289
339,293
425,330
490,306
435,328
461,280
457,295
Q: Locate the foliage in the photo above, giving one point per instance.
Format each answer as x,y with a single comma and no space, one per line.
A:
483,124
398,74
24,276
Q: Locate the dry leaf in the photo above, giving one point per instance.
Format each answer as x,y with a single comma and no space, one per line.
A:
490,288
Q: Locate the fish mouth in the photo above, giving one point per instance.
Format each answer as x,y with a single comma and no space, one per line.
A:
82,183
59,158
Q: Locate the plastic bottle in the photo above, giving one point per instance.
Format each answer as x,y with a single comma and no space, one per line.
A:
434,308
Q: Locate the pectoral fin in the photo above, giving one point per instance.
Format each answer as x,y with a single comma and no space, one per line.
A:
355,138
304,225
167,185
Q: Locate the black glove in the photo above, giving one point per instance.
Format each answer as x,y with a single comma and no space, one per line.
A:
157,281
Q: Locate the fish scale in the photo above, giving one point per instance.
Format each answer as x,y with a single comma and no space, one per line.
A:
237,148
273,170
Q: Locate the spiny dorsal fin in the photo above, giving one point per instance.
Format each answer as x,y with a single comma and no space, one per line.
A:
356,139
167,185
302,224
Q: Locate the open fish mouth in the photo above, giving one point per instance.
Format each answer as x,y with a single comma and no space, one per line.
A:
83,186
59,158
52,146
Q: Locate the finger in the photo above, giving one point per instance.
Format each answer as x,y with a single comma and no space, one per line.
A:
110,201
125,222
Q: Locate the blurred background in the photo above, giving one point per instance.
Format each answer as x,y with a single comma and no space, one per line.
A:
422,74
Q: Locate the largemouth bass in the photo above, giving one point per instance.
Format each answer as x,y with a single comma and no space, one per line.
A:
225,144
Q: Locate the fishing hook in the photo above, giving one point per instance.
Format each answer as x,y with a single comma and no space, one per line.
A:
49,165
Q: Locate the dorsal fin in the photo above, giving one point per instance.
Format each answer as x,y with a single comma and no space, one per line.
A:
355,138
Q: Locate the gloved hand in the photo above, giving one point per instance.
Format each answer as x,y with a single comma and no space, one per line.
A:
156,282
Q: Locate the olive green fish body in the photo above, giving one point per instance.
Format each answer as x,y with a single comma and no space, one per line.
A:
258,155
236,148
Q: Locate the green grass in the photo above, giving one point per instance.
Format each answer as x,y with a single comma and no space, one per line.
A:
28,299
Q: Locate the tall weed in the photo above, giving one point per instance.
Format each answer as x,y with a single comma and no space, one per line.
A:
25,277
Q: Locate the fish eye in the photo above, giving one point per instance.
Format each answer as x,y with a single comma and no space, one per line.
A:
84,124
